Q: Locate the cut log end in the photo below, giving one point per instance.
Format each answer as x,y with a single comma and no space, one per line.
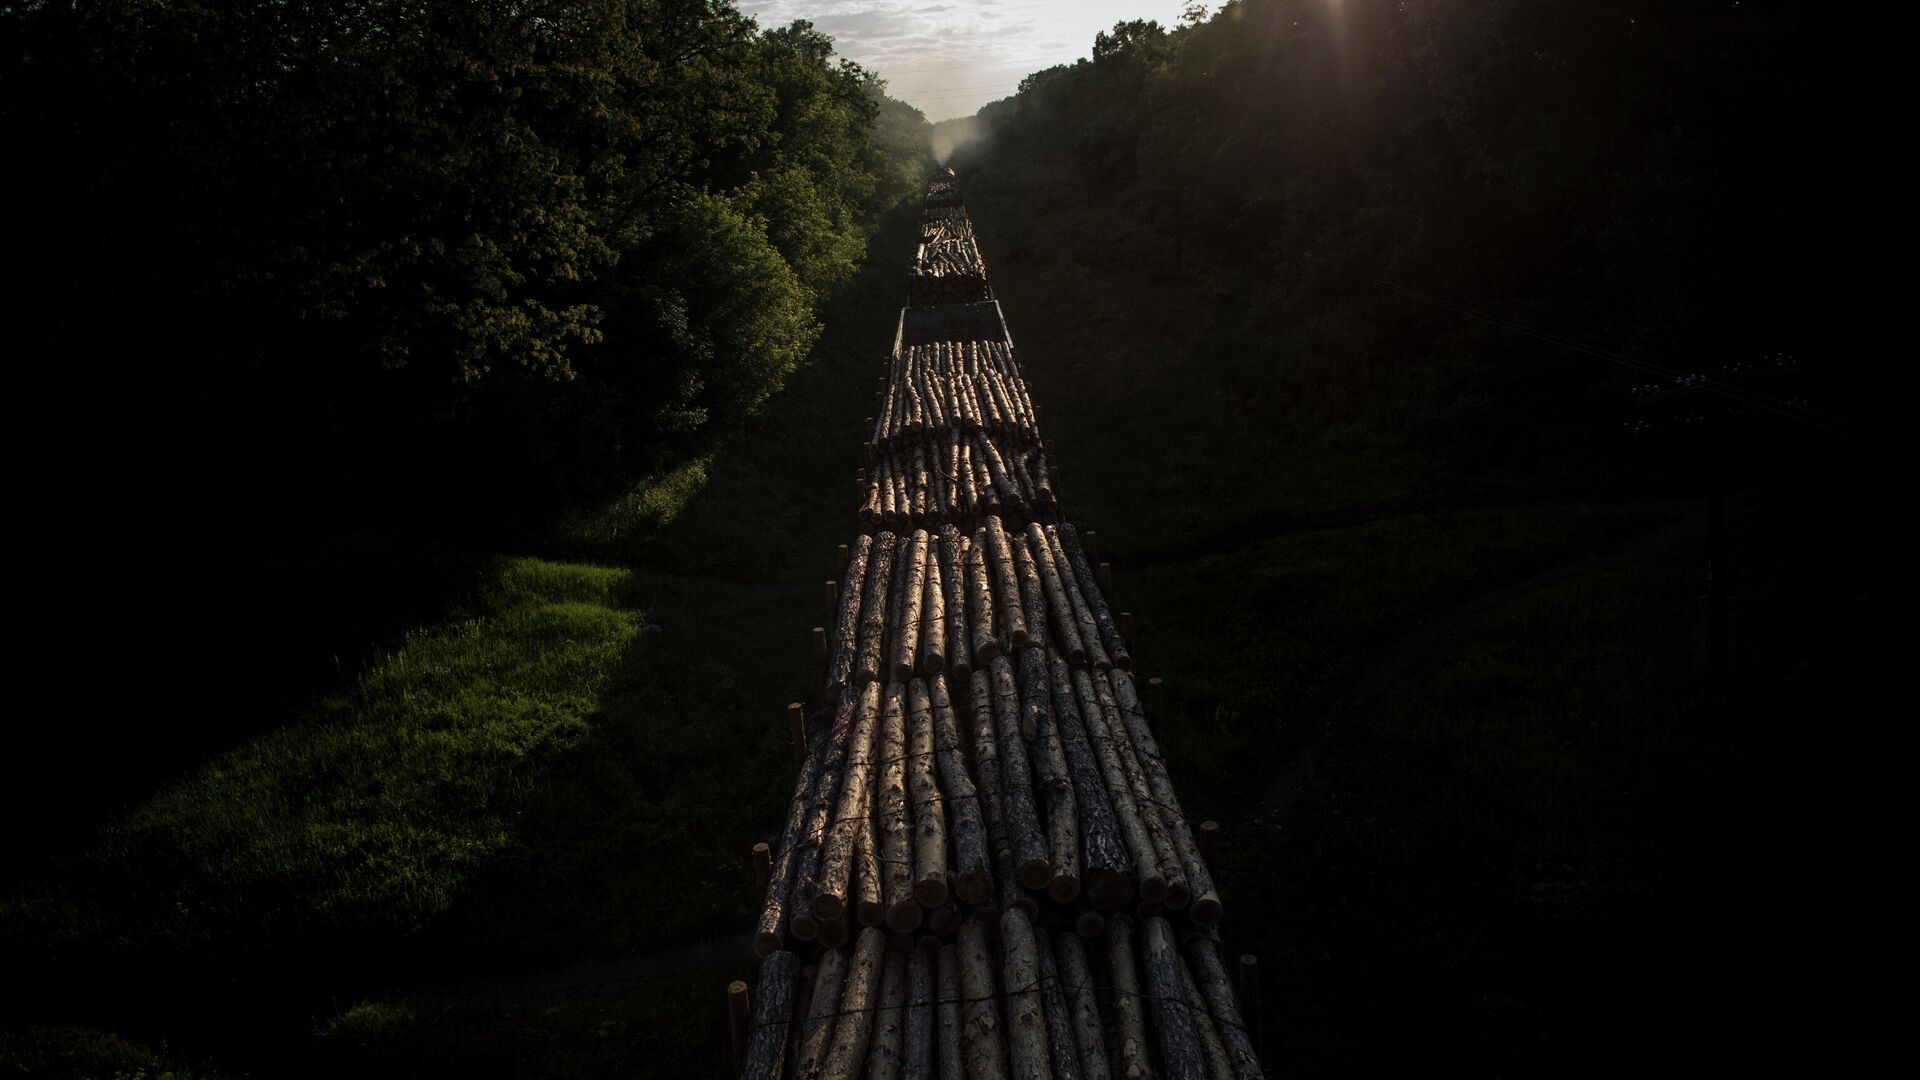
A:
930,892
1205,910
905,918
1065,886
1036,874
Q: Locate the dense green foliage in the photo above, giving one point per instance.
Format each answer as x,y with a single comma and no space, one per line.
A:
522,246
1657,181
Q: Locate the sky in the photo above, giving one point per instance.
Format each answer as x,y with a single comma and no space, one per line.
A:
949,57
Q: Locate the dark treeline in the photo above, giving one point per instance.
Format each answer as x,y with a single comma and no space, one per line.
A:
405,259
322,304
1667,182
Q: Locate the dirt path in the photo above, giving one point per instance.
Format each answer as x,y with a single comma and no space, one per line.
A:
1277,802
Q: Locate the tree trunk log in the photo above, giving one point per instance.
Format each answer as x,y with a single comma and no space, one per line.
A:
1096,603
869,878
853,807
873,609
1032,599
953,1060
1027,1046
973,878
954,574
1151,813
1212,1047
886,1058
823,1008
906,617
1152,883
1016,781
986,1048
1052,779
1131,1060
1077,603
1083,1010
1203,953
1066,624
933,614
846,624
919,1047
1006,585
853,1032
768,935
1108,880
903,914
980,602
929,808
1204,907
1053,1003
1181,1055
772,1015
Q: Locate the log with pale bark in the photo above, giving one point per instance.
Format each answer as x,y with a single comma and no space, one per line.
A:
823,1007
886,1057
952,548
1150,811
1006,582
985,1042
953,1061
852,811
1126,810
873,611
859,994
846,623
769,935
930,857
973,876
1204,907
905,618
1016,782
1053,781
933,613
1029,1053
1212,1046
893,818
985,635
1110,635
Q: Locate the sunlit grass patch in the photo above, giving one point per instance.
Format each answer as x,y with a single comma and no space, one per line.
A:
370,813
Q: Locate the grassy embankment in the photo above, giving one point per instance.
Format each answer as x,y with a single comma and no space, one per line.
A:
570,763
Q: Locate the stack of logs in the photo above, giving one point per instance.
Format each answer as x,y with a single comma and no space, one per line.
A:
1004,999
943,191
984,860
957,436
947,267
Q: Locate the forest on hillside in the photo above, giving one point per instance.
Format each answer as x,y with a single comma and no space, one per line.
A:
424,260
1652,194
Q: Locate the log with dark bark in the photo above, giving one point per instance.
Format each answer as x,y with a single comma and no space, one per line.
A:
1053,781
1108,880
873,609
770,933
1203,956
953,1060
918,1049
954,574
1131,1058
1028,1050
852,808
1096,603
772,1015
886,1057
1126,811
853,1031
973,877
894,820
846,623
1181,1054
1089,1034
1204,907
1089,921
802,1005
986,1047
944,920
1016,782
1212,1047
1053,1003
1150,811
924,799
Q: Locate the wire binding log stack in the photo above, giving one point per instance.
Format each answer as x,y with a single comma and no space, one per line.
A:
985,870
